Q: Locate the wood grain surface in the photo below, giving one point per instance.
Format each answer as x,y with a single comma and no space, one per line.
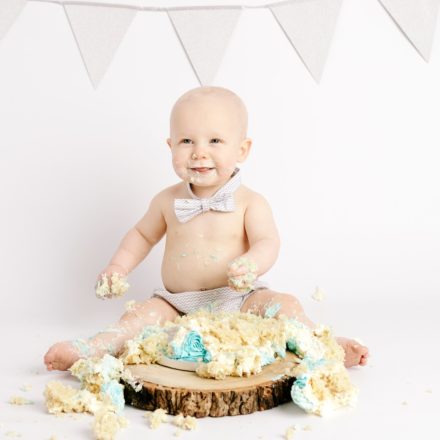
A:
184,392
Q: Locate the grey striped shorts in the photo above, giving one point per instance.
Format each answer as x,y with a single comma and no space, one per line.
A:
215,300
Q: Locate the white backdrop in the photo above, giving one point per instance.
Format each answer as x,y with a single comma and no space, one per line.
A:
350,166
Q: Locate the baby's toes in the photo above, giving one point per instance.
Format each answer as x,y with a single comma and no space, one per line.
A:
361,352
49,358
354,352
52,365
364,357
60,356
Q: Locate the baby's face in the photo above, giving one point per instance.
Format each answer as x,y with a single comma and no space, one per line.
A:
207,140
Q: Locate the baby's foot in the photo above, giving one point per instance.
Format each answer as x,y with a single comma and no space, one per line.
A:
355,353
61,356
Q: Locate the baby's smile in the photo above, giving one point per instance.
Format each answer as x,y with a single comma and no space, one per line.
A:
202,170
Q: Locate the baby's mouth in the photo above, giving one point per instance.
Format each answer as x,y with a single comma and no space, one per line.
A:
202,169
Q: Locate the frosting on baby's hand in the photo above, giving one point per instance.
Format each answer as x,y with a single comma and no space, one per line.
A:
114,286
242,272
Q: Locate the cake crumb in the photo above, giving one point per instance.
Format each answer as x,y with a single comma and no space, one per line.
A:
14,434
178,433
129,305
307,428
428,391
188,422
19,400
318,294
62,399
404,403
107,423
156,418
26,387
290,433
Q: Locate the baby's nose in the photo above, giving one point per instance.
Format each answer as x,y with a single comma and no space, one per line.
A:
199,153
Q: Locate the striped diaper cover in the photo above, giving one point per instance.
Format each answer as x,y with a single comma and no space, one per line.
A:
221,299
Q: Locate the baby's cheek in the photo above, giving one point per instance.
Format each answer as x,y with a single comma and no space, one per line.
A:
225,171
180,168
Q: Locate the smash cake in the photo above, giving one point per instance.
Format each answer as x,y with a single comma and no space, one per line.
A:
216,345
241,344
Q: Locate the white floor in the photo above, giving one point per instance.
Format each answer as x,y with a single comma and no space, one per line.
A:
399,390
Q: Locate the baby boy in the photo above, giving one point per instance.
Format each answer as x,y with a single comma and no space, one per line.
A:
220,235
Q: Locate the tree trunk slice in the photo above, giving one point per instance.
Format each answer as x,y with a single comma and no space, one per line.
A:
184,392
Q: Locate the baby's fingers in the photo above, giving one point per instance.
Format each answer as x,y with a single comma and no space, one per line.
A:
236,271
102,287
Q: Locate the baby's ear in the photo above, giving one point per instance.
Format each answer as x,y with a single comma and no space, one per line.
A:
169,142
244,149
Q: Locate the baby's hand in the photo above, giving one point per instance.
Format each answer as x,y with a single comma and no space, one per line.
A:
111,282
242,272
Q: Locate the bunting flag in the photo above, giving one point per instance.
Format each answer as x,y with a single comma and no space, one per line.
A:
98,31
417,20
9,11
204,34
309,26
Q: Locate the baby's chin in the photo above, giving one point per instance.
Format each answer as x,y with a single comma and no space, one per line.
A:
201,177
208,177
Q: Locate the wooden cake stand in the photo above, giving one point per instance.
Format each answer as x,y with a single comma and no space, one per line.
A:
184,392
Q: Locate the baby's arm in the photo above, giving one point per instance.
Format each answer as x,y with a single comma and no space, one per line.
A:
264,244
139,240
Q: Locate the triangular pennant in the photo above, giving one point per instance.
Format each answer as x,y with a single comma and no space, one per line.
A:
98,31
309,25
9,11
204,35
417,19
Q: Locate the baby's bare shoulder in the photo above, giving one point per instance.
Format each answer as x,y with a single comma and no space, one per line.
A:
170,193
251,197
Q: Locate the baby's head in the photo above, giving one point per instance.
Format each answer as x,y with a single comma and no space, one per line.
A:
208,128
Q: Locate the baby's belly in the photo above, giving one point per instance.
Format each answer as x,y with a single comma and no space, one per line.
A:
199,264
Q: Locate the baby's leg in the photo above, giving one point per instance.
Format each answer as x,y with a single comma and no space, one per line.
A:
265,301
111,340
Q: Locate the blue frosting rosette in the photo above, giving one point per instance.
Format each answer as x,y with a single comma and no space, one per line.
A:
192,349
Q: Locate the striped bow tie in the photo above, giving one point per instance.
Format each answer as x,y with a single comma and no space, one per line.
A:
222,200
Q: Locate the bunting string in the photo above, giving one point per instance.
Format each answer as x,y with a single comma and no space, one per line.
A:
163,8
205,31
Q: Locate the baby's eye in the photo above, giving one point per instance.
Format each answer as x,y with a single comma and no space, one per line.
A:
185,141
215,141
